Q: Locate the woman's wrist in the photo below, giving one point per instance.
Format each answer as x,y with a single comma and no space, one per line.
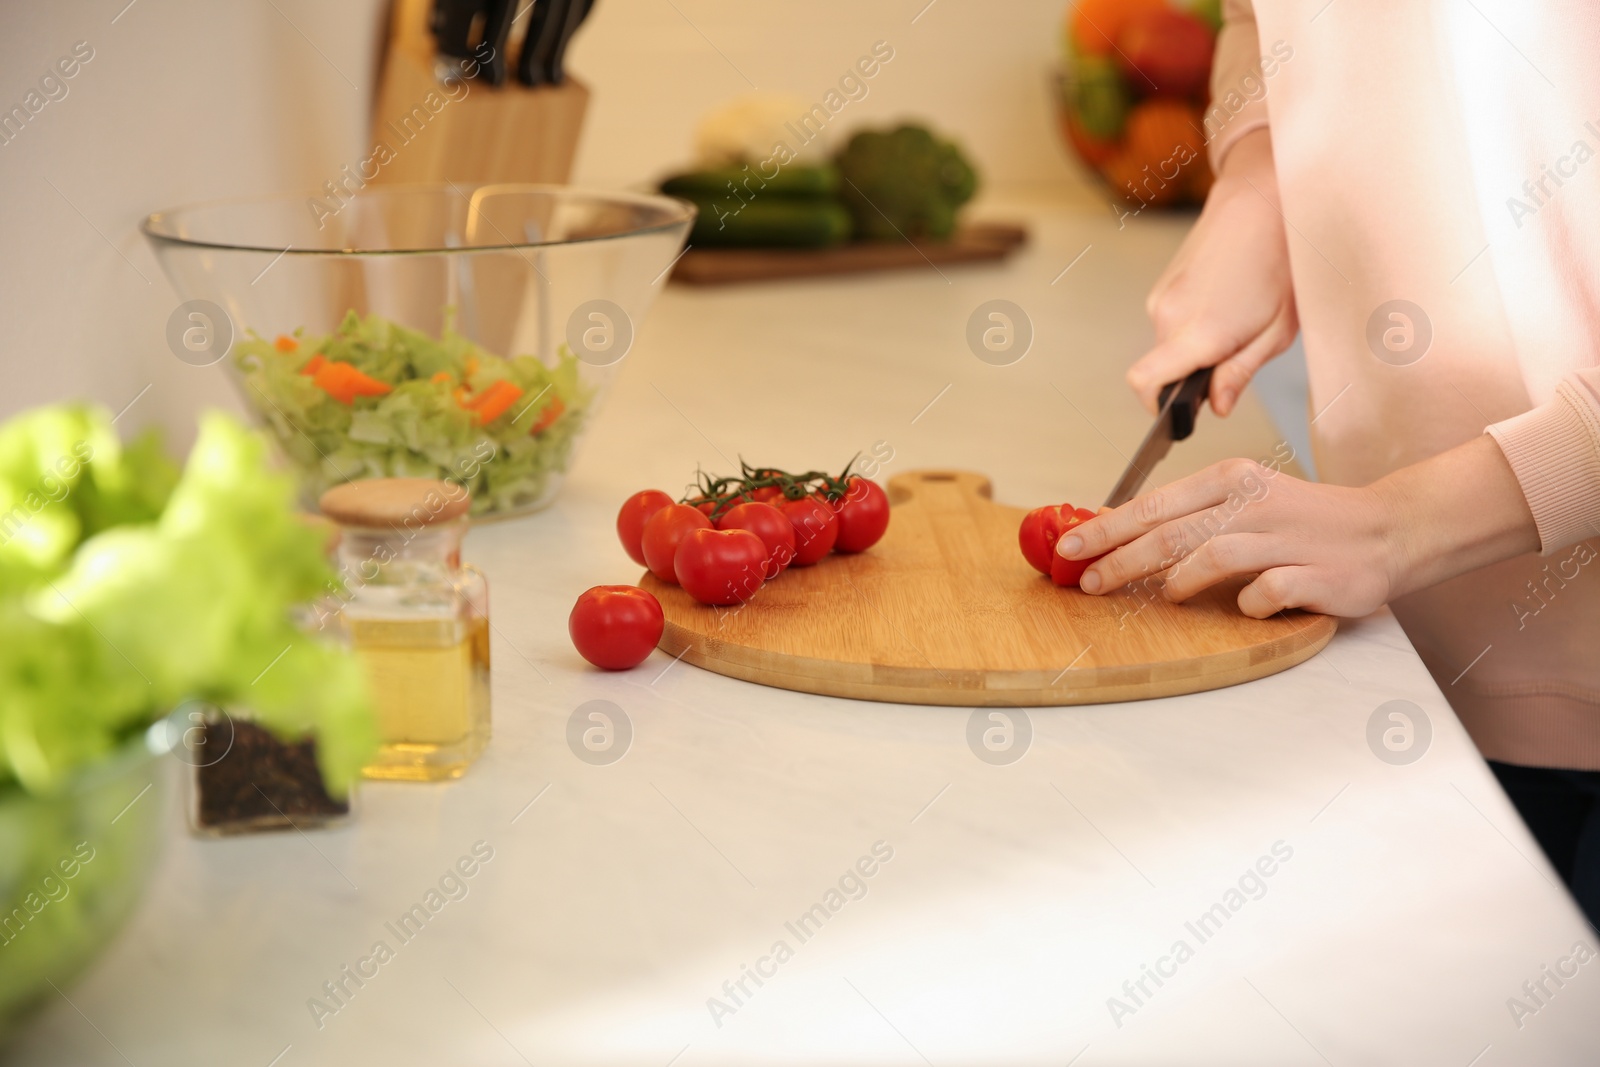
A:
1249,164
1453,513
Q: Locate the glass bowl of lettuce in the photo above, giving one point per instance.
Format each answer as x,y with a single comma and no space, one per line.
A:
131,588
454,331
73,865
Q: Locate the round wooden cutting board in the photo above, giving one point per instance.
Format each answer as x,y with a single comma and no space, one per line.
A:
944,610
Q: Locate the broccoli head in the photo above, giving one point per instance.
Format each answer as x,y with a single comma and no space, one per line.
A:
904,181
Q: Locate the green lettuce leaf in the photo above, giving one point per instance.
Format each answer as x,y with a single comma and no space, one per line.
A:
146,590
420,429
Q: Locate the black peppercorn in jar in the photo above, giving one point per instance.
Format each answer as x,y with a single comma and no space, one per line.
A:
246,779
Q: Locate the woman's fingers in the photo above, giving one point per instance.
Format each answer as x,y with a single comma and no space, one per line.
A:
1229,482
1279,588
1225,557
1147,555
1174,359
1234,373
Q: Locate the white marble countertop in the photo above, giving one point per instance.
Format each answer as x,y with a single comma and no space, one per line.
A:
1006,905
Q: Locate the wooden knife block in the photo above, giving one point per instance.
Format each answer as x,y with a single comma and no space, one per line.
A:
480,133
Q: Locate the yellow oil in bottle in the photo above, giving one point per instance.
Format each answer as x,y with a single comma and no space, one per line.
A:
430,689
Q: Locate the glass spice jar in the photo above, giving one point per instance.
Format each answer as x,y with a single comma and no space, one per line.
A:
417,619
245,779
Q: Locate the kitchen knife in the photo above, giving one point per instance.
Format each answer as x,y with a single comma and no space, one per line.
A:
553,70
474,30
1180,403
549,30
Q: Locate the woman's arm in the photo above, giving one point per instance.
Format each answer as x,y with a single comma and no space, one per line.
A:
1554,450
1327,548
1225,300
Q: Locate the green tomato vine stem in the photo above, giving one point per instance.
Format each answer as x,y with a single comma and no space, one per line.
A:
729,491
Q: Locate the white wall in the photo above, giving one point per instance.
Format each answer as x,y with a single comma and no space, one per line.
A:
191,100
978,70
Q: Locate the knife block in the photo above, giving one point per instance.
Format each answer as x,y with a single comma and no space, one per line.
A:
468,131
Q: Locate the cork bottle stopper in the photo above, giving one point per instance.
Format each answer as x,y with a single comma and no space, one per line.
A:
395,502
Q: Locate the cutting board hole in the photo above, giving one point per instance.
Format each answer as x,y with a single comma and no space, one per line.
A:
938,477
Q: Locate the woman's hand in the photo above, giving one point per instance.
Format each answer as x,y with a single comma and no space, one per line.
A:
1327,548
1225,300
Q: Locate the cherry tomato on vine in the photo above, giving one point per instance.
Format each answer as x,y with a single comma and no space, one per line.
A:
616,626
767,494
769,524
816,528
664,533
721,566
636,511
863,515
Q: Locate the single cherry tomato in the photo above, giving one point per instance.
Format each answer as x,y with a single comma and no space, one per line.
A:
616,626
1040,531
767,494
1067,571
769,524
664,533
706,507
816,528
721,566
863,515
636,511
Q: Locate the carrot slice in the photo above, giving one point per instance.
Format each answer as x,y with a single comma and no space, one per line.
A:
442,378
344,383
285,343
495,401
314,364
552,411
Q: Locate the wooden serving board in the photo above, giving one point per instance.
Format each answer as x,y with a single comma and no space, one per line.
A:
944,610
971,244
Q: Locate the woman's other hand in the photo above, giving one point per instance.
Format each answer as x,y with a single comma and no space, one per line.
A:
1225,300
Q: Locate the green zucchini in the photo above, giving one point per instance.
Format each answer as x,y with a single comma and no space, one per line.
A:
769,222
748,182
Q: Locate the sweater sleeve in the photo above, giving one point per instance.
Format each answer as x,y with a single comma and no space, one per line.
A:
1554,450
1238,88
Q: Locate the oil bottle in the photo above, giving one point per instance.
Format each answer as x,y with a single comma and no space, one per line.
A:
418,619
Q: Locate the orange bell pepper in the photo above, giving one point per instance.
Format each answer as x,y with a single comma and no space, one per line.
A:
314,364
552,411
285,343
344,383
495,401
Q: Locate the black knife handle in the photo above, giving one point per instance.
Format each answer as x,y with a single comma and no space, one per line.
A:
492,49
1191,393
545,27
454,25
527,65
554,73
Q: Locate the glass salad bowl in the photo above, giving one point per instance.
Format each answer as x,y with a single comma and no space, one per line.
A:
72,867
461,332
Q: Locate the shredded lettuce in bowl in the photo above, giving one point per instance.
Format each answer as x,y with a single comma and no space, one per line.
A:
404,404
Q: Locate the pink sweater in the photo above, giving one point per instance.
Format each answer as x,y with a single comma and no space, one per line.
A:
1447,153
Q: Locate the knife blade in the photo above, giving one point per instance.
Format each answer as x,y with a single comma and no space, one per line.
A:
1180,403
